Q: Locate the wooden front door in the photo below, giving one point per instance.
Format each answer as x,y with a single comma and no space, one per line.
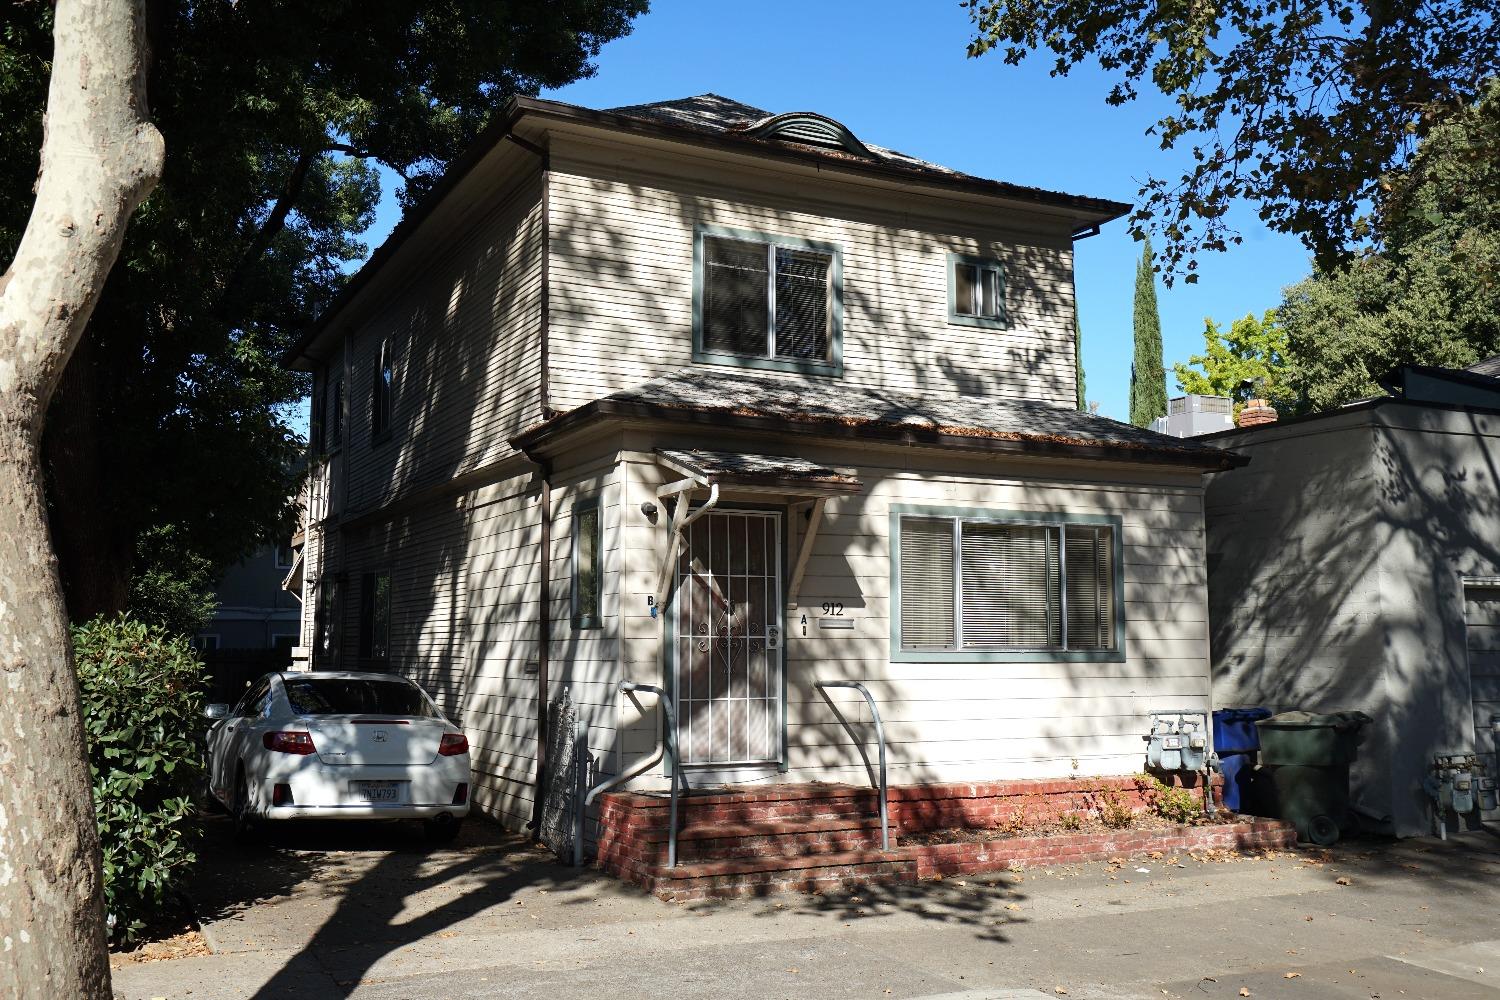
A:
728,635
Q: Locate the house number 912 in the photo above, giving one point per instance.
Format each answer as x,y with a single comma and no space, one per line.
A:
833,607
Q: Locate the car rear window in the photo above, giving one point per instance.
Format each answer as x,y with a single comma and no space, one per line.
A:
350,696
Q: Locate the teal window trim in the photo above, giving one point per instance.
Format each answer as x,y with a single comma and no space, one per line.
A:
997,322
899,655
588,618
834,366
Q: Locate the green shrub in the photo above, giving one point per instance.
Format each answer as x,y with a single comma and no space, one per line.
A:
1175,805
1114,810
142,691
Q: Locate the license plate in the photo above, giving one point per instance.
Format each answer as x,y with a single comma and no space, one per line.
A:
376,791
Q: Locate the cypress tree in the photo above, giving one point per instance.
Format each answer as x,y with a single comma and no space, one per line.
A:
1081,382
1148,376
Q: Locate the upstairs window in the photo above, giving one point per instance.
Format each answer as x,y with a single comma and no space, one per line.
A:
991,587
767,302
382,387
976,291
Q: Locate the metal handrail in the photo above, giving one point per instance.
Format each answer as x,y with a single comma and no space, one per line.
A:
885,823
666,744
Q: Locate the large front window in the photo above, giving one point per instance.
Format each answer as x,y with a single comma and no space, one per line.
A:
767,302
1007,585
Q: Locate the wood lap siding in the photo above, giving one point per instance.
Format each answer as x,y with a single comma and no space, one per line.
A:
504,534
962,721
621,255
466,335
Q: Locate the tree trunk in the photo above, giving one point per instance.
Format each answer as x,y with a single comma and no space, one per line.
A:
99,160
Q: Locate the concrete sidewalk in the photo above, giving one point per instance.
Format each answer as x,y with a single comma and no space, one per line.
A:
493,918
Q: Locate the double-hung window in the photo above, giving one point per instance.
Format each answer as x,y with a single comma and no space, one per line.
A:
765,301
335,419
375,617
983,585
976,291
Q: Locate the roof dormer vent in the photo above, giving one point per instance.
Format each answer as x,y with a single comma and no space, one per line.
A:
810,129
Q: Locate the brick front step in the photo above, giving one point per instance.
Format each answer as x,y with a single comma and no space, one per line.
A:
634,810
765,876
712,841
1080,848
814,837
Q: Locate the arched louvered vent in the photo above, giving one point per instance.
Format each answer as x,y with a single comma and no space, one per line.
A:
811,129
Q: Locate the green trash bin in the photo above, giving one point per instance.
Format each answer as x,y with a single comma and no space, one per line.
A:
1311,740
1306,757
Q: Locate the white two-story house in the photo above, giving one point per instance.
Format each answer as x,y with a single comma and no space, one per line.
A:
733,403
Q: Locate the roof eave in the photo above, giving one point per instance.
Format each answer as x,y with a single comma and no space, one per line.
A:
1094,211
530,441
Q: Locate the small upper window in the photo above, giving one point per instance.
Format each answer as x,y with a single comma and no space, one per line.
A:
768,302
284,555
383,384
976,291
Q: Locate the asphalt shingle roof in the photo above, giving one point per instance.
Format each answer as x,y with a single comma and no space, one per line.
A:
806,404
714,113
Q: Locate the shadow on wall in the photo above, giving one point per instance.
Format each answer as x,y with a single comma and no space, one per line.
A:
1336,565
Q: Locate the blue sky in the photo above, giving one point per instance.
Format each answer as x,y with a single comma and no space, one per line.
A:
897,75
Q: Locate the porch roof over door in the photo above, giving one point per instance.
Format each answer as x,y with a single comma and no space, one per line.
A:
735,470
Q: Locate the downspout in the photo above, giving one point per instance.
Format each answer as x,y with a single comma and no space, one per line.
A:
544,622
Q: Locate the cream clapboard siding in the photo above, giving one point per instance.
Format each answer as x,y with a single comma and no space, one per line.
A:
466,337
947,720
504,636
621,253
504,582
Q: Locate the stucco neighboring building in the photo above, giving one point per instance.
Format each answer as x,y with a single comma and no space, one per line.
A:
1354,563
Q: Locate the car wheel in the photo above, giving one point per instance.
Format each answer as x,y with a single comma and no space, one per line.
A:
442,830
245,827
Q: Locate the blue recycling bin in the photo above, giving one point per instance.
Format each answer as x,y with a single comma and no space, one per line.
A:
1239,772
1235,730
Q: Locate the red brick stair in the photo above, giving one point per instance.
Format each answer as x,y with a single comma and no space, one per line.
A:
749,842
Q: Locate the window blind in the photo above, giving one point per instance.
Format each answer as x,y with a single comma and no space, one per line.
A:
1016,586
1011,585
735,301
1091,588
802,304
927,599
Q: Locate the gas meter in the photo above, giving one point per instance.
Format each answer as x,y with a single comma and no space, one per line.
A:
1178,741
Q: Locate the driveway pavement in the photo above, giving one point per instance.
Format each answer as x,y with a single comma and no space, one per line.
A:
370,913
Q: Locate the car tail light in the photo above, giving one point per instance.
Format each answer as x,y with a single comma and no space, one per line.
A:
453,744
461,793
281,795
300,744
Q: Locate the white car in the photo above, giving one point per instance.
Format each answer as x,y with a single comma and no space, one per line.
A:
332,745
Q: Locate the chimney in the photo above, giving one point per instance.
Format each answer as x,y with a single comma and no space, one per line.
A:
1255,412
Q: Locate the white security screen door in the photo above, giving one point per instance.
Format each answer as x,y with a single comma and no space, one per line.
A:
727,609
